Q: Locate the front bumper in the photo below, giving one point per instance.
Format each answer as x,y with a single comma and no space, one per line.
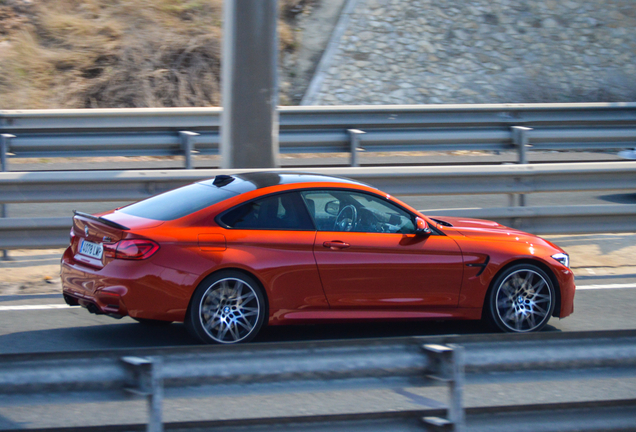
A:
565,277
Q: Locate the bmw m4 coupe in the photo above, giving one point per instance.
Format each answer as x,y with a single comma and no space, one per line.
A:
232,254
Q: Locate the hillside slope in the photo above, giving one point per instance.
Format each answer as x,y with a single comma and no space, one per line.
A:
117,53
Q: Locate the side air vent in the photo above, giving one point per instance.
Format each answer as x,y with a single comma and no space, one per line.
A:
443,223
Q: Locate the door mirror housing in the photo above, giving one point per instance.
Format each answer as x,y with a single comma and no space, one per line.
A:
332,208
421,227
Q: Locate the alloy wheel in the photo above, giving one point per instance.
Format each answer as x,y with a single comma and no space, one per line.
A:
523,301
229,310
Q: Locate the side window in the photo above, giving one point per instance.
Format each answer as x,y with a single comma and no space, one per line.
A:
341,210
323,206
280,211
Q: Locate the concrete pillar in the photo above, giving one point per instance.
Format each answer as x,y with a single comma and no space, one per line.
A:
249,126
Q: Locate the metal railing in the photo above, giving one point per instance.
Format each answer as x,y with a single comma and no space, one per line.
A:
329,366
83,186
192,131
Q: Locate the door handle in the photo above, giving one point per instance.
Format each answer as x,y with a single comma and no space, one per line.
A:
336,244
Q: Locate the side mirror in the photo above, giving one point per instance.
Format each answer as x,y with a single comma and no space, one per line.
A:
332,208
421,227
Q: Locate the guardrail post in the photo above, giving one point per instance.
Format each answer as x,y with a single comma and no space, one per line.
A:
446,363
146,381
354,139
5,148
520,140
187,145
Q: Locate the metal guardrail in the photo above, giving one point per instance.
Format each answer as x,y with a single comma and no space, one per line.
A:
42,233
167,131
328,366
25,187
83,186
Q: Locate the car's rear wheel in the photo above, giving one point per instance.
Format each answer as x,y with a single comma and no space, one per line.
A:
521,300
228,307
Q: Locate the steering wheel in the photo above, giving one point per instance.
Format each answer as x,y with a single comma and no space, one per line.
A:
347,219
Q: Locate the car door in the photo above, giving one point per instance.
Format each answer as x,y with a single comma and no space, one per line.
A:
369,257
273,237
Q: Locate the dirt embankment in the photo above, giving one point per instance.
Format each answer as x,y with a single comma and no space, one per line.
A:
123,53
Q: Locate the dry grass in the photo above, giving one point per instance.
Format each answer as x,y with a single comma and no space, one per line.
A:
119,53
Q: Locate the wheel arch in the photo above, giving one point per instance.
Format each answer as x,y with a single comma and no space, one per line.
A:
542,266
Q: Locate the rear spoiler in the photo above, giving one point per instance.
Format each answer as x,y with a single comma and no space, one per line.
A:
101,220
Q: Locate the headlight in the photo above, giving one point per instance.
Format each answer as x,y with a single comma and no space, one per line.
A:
563,259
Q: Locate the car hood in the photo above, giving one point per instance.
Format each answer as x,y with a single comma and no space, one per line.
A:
481,228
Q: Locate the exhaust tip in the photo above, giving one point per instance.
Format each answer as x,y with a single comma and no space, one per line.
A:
92,308
71,301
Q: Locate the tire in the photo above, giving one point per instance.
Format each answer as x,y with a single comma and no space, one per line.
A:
228,307
521,300
152,322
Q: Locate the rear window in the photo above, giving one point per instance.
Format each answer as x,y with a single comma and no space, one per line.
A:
178,203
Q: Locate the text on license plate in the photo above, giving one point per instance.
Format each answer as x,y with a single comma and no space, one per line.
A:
91,249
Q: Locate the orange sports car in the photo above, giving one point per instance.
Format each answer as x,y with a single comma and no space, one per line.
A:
228,255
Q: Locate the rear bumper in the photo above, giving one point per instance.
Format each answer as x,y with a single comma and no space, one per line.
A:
99,303
126,289
82,287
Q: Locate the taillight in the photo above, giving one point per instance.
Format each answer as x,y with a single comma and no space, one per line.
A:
72,240
135,249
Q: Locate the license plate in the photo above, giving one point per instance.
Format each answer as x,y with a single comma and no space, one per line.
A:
91,249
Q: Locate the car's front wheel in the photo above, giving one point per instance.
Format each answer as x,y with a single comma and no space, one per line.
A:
521,300
228,307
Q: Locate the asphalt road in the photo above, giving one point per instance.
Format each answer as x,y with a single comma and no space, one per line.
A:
306,161
40,323
69,329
